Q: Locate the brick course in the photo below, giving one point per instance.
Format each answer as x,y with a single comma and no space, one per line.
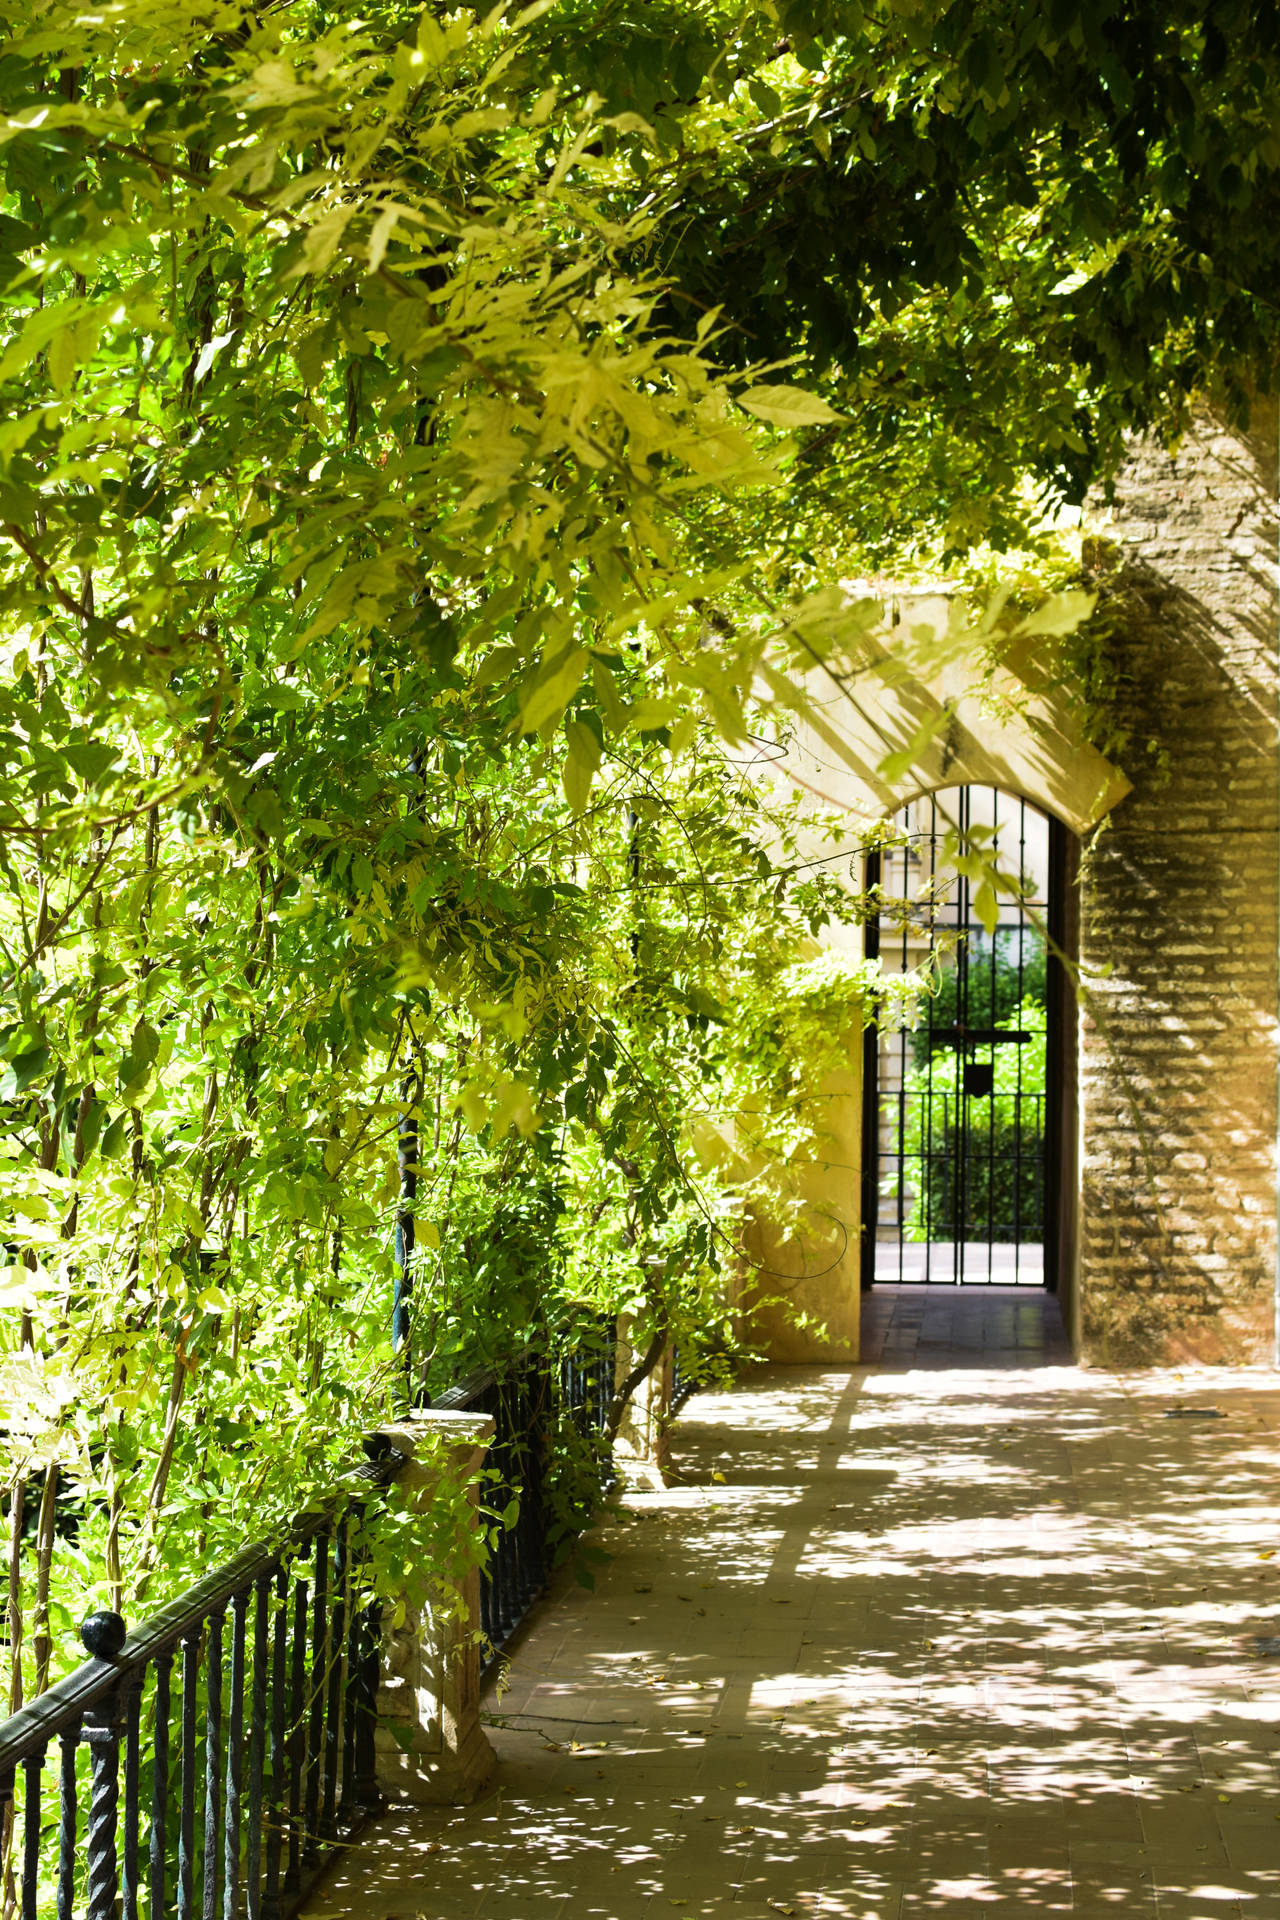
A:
1180,924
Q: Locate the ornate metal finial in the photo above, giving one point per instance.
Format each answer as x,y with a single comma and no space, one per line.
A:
104,1634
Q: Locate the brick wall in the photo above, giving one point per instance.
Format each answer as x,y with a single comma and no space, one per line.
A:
1179,924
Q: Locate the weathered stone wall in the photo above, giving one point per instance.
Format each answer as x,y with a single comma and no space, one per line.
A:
1179,924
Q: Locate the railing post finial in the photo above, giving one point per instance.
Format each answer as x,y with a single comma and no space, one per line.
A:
104,1634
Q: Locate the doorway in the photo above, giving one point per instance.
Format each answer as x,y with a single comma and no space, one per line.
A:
968,1077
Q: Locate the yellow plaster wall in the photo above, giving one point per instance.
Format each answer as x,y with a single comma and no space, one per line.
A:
818,1270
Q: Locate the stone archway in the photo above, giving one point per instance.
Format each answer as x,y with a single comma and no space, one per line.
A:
1173,1208
1028,745
1000,733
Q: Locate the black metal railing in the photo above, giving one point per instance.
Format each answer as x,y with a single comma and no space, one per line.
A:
531,1399
587,1381
516,1569
207,1761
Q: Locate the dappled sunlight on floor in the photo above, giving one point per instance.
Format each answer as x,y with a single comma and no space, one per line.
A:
941,1641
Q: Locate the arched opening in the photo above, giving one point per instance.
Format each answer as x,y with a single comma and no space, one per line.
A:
968,1164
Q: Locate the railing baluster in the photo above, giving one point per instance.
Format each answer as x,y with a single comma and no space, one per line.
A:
67,1820
212,1765
187,1780
508,1610
348,1806
525,1476
274,1818
8,1837
297,1736
160,1783
257,1746
369,1669
513,1594
235,1741
132,1771
532,1494
31,1824
335,1640
319,1665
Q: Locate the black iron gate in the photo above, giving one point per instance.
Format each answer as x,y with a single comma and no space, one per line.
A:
960,1105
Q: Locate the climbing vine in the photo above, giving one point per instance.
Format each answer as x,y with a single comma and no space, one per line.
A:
408,517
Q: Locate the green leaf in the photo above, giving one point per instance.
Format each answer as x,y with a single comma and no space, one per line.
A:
986,906
137,1063
552,688
788,407
313,354
581,763
1062,613
24,1070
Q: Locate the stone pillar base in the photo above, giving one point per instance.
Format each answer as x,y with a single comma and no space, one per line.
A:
641,1447
431,1748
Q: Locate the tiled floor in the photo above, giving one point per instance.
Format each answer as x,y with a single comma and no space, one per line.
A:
942,1326
942,1636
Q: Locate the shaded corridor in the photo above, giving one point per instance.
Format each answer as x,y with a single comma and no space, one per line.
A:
950,1634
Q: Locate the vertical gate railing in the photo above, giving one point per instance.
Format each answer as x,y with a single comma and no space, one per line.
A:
955,1108
207,1761
977,1173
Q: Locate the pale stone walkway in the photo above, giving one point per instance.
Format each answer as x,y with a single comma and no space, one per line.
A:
947,1639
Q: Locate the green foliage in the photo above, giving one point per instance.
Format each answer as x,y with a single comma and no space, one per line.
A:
1001,235
408,485
347,607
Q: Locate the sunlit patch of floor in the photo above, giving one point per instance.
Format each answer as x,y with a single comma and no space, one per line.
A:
943,1642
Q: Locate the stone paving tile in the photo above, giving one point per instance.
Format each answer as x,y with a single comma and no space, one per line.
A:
951,1639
